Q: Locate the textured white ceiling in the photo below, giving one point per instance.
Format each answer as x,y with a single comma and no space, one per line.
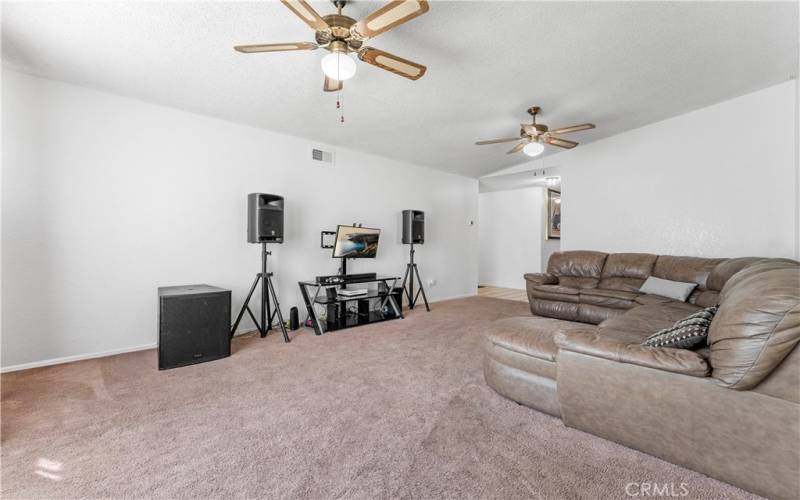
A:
619,65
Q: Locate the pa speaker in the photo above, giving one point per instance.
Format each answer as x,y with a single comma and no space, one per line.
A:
194,325
413,226
264,218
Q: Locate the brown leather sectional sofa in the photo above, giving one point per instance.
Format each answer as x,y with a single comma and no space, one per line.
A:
730,410
592,287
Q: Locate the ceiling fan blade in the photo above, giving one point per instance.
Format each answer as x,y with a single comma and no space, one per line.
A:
275,47
574,128
390,62
518,147
387,17
307,14
562,143
497,141
332,85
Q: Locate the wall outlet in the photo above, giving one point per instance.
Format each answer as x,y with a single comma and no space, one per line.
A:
431,282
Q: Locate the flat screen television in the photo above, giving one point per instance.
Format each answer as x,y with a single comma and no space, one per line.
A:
356,242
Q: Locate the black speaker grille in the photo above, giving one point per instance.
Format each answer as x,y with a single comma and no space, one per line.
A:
264,218
413,226
193,327
270,223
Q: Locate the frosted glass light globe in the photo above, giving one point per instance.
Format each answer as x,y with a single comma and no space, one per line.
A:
338,66
533,149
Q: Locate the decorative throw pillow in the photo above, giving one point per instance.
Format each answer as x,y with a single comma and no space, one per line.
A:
677,290
687,333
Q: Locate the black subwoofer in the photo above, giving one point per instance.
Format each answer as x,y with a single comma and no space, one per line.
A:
413,227
193,325
264,218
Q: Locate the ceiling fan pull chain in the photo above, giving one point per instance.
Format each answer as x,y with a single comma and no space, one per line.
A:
339,93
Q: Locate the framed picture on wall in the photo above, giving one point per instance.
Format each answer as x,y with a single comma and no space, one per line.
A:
553,215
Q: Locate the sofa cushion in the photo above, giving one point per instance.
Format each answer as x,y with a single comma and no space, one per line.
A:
670,311
624,284
629,265
557,289
610,302
531,336
595,314
723,271
554,309
646,299
640,322
665,359
758,323
616,299
614,294
578,282
522,362
756,268
579,269
554,292
687,333
626,271
686,269
704,298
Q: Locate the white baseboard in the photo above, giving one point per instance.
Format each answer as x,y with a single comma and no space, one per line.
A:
79,357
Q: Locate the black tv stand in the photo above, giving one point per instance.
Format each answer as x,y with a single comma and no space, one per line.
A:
339,309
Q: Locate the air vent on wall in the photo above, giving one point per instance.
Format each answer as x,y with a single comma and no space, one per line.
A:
318,155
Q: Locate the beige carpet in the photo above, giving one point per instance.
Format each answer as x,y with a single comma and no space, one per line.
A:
398,409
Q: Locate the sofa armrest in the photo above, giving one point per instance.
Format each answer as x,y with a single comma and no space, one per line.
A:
541,279
681,361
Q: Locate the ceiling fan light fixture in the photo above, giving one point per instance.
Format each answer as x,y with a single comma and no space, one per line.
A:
533,149
338,66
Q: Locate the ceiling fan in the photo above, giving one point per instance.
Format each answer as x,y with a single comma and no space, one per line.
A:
533,136
341,35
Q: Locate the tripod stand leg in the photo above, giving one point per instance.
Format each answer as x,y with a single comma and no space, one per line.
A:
253,317
244,306
264,305
272,317
277,309
403,285
422,289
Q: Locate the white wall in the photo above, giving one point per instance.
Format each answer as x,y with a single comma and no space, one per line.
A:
549,247
720,181
107,198
510,235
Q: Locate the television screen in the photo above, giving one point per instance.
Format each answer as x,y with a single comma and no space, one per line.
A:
356,242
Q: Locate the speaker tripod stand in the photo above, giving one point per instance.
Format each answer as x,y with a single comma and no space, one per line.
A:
411,271
267,291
